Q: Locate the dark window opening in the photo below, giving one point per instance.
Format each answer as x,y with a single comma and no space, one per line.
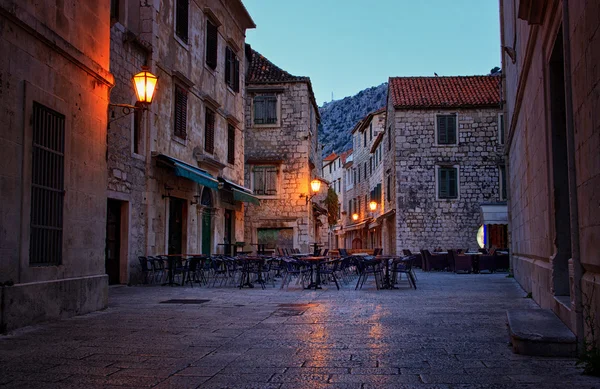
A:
179,128
447,183
47,187
114,10
211,44
501,131
446,129
209,131
181,19
230,144
265,109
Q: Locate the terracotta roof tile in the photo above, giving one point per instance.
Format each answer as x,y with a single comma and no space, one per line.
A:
441,92
261,70
330,157
345,155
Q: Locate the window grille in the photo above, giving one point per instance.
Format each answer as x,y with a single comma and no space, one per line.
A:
209,132
265,109
446,129
211,44
179,127
47,187
230,144
181,20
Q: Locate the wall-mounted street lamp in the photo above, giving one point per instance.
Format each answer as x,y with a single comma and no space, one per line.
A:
315,185
355,216
373,205
144,84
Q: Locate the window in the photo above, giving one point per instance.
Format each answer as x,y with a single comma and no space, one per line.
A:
47,186
179,128
389,138
357,175
501,128
137,129
209,131
389,188
365,139
212,35
114,10
181,19
265,109
447,182
265,180
230,144
357,210
502,176
339,185
329,168
350,207
370,165
365,166
446,129
371,131
232,70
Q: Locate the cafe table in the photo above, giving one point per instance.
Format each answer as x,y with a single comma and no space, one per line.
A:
172,264
313,262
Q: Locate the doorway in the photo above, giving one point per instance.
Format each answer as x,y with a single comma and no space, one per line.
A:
207,204
176,214
113,241
228,232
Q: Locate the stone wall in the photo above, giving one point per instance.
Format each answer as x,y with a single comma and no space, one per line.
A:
291,144
532,210
55,55
423,221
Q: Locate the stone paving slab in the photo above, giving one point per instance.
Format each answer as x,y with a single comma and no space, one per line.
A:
448,334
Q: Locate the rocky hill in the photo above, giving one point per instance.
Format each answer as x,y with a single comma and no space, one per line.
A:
338,117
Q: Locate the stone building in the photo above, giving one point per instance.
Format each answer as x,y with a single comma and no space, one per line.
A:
361,225
175,171
447,142
54,87
282,156
550,64
334,172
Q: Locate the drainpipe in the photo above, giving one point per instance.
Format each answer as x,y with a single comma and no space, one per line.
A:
573,203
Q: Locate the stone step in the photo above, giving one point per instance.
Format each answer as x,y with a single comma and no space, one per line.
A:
540,332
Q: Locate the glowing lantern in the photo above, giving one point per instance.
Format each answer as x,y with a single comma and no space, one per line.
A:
145,84
315,185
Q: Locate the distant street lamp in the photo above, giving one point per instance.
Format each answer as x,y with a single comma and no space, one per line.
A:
355,216
373,205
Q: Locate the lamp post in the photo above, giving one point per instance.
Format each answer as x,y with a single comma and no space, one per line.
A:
315,185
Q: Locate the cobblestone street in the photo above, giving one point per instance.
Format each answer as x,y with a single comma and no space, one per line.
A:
449,333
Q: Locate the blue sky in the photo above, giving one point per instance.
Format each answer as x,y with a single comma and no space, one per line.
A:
345,46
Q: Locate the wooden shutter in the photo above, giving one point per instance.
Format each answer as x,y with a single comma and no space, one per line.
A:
452,184
236,74
211,44
228,66
181,20
442,130
451,125
271,180
442,183
179,128
209,132
230,144
259,180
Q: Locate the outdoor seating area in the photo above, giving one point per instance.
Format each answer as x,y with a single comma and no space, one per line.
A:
286,268
464,261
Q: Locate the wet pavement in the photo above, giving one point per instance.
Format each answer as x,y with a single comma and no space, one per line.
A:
449,333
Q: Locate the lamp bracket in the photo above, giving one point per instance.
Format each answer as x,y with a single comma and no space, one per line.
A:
127,109
308,197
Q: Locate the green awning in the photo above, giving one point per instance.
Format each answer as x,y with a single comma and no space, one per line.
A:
190,172
239,195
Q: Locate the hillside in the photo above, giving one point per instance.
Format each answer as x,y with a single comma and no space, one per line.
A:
338,117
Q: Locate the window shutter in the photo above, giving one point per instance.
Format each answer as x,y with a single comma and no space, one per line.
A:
211,44
228,66
259,181
230,144
442,183
209,132
179,128
442,130
271,181
181,20
452,187
236,75
451,125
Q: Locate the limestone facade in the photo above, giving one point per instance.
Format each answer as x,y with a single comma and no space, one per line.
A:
55,81
554,256
423,220
196,119
282,156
